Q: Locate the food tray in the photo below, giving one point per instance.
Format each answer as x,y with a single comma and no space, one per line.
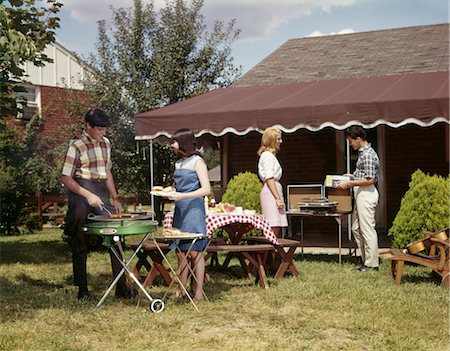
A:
162,193
186,236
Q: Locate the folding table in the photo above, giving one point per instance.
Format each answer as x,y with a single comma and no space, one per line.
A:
175,241
303,214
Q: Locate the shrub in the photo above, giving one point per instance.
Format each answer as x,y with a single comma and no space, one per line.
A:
425,206
31,222
243,190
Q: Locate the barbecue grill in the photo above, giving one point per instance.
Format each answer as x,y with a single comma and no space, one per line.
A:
112,230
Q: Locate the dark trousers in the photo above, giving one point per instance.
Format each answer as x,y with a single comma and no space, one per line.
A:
78,211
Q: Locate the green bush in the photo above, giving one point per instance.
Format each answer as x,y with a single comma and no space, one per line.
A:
243,190
425,206
31,222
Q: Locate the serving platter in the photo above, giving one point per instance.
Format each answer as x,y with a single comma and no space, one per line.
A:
187,236
161,193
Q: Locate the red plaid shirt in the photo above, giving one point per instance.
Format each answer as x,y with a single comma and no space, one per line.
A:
87,158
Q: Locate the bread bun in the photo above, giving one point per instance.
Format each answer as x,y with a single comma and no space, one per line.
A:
168,189
172,232
157,188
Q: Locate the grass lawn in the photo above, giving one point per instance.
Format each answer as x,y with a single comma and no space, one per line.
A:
329,307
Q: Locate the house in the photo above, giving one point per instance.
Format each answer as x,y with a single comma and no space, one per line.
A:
50,92
394,82
49,89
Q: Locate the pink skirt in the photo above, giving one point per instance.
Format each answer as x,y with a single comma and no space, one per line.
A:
275,216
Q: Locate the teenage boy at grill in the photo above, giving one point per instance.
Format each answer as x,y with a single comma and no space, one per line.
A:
87,176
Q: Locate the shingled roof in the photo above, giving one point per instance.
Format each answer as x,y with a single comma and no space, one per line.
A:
367,54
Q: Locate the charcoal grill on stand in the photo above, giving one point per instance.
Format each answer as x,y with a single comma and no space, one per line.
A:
112,230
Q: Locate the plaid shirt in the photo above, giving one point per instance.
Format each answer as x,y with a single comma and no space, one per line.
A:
368,163
87,158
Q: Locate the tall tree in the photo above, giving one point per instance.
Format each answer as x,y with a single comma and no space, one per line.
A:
148,59
24,32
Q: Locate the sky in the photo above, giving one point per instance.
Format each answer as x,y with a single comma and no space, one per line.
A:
265,24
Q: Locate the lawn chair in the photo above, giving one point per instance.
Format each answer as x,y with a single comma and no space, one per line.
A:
437,258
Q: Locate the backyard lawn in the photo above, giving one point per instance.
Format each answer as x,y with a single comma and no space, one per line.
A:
328,307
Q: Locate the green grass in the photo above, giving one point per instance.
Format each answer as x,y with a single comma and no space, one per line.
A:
329,307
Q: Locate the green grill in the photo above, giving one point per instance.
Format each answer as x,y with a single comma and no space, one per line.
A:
109,229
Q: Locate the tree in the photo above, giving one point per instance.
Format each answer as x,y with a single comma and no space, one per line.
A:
147,60
24,32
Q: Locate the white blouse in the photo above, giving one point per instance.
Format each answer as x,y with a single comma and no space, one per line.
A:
269,167
187,163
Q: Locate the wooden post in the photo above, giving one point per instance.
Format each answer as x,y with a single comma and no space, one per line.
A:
39,203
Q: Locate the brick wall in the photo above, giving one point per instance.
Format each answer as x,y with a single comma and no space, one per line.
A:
59,108
306,157
410,148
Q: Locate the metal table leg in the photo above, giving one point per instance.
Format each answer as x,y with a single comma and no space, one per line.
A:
185,257
301,234
339,221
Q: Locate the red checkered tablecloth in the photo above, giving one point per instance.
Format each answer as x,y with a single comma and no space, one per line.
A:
214,221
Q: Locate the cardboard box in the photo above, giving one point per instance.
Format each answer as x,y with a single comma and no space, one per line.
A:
331,181
342,196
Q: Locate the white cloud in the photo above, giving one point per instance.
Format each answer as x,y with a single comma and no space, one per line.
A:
317,33
256,18
260,18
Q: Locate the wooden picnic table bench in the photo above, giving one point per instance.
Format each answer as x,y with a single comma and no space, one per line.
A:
286,256
254,254
150,258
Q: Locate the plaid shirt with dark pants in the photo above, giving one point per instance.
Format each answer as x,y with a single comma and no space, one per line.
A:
76,218
83,160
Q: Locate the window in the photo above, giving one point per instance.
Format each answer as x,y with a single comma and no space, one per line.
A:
31,97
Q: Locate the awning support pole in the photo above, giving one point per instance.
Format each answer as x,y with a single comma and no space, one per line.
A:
152,198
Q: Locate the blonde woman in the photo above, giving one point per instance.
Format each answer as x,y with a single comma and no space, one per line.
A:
270,171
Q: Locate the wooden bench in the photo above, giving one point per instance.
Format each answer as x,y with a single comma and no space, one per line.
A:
438,259
286,256
149,250
254,254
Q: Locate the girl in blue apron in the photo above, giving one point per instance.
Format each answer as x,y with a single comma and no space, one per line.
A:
192,185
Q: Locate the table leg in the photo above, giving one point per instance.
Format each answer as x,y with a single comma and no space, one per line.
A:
301,234
142,262
158,266
258,263
339,221
286,262
176,273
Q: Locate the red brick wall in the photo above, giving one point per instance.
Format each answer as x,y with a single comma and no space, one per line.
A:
306,157
59,108
407,149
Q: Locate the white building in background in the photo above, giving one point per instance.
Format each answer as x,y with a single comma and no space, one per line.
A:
64,72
